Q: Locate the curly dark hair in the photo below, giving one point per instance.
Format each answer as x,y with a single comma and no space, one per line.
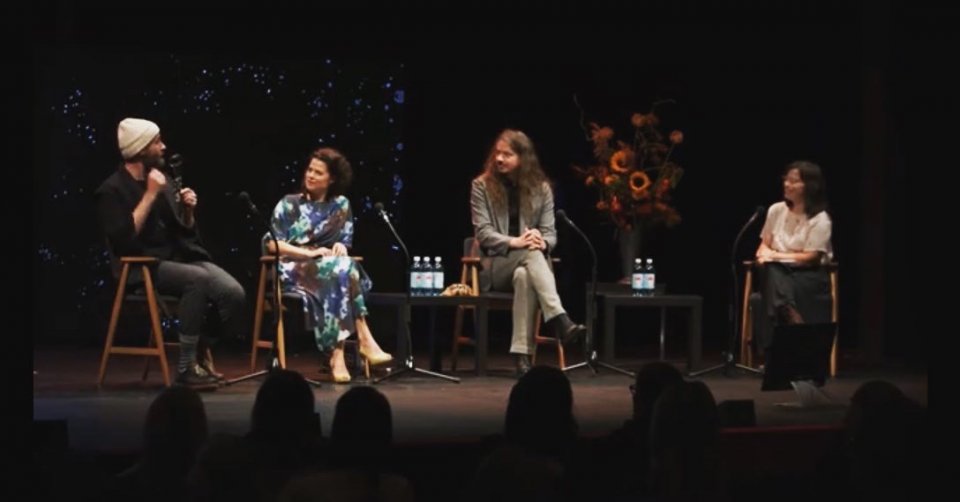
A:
341,174
814,187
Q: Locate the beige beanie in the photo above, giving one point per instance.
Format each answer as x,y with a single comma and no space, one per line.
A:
133,135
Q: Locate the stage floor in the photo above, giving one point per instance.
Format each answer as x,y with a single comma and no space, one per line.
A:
424,409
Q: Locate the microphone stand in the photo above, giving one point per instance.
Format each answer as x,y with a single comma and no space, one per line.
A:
273,362
592,361
729,359
407,365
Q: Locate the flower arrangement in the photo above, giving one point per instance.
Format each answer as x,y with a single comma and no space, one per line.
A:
634,181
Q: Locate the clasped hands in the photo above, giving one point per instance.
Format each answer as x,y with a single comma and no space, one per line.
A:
338,249
768,255
531,238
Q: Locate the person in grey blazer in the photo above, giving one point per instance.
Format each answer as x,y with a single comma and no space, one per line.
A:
511,205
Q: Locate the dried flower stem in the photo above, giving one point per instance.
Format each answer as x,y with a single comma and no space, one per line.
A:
583,125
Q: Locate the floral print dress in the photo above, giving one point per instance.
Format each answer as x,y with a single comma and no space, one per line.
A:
333,286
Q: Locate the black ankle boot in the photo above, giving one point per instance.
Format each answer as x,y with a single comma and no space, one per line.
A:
566,330
523,364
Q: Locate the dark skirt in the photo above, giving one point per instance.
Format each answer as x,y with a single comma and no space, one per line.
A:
806,289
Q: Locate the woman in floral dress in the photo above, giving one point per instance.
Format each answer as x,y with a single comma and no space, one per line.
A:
314,230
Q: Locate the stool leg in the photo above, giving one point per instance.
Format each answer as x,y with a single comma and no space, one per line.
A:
746,324
560,355
114,318
457,333
258,316
155,325
146,359
834,316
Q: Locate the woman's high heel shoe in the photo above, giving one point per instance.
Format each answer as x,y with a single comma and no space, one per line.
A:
339,377
376,359
344,378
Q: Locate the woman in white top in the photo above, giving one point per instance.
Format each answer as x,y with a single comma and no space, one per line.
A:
795,242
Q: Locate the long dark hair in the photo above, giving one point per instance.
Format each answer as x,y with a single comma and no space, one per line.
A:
337,165
530,176
814,187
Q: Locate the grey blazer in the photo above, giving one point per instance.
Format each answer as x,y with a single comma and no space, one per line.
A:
491,227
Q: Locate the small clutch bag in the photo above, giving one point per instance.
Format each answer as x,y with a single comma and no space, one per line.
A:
457,289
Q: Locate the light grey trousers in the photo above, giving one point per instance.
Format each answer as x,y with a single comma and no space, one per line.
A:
528,274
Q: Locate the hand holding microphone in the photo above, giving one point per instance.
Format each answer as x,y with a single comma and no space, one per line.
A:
188,197
173,165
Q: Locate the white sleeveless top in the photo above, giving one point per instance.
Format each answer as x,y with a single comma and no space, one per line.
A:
792,233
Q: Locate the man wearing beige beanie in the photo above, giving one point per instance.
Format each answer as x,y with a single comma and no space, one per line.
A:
142,214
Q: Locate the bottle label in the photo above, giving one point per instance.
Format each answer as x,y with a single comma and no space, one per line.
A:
649,282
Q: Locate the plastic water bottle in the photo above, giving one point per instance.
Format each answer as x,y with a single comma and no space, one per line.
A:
426,277
415,277
437,277
649,278
637,280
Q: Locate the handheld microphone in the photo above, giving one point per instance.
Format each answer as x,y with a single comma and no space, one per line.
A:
173,165
175,162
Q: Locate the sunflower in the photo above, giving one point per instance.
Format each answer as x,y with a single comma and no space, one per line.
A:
620,162
639,181
635,178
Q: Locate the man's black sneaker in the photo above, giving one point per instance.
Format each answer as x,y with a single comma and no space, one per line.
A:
196,377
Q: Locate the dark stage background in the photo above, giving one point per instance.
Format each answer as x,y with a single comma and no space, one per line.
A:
416,103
